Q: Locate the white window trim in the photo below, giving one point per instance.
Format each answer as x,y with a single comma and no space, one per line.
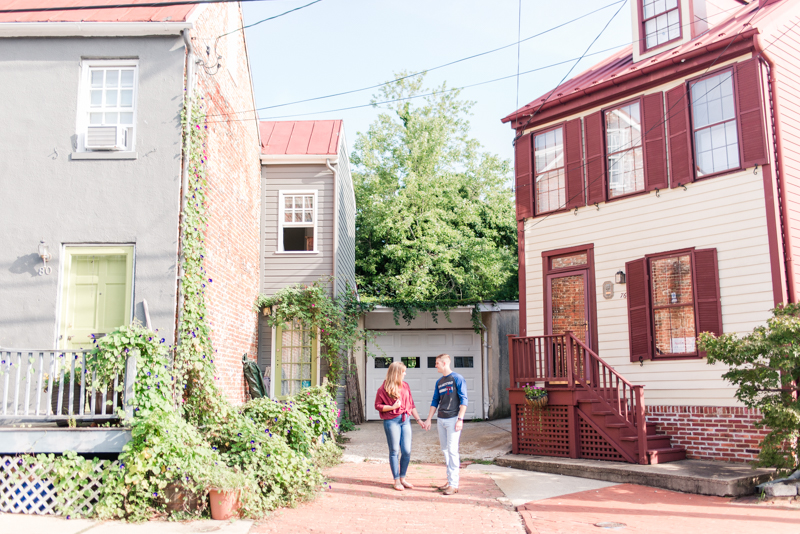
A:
281,205
83,100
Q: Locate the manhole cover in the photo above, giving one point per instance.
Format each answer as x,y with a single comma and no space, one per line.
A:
612,525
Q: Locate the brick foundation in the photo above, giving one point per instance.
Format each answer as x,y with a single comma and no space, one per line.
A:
234,194
711,432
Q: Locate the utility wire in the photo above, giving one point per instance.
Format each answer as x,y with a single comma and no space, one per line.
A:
269,18
661,122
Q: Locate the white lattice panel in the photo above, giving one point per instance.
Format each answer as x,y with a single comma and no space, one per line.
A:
26,488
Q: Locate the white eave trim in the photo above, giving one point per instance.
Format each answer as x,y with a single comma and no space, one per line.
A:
298,159
91,29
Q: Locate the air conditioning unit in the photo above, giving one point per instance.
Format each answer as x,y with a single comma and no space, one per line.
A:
106,138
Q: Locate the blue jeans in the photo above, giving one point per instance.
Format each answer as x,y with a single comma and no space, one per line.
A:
398,436
448,439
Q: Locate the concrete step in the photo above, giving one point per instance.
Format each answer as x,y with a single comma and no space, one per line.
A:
671,454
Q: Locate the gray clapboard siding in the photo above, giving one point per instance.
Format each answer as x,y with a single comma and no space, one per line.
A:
346,250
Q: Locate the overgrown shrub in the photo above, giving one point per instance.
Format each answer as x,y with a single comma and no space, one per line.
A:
765,368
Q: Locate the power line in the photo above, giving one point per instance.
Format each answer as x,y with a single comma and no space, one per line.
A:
120,6
440,66
373,104
268,18
661,122
516,138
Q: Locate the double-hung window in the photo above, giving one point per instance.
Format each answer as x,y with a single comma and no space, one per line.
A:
672,297
107,108
662,22
716,138
548,157
624,150
297,221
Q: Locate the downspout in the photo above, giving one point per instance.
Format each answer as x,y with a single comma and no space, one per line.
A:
187,102
485,368
336,219
777,142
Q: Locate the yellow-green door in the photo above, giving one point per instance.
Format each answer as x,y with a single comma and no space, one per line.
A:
295,359
96,293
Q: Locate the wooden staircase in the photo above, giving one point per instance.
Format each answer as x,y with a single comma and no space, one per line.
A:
593,412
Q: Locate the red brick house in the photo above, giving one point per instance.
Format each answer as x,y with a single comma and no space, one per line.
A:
656,199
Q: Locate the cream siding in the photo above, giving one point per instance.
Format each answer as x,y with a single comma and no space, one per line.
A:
726,212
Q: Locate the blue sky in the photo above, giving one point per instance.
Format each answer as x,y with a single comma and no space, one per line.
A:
340,45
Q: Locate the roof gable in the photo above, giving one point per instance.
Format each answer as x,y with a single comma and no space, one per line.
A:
620,65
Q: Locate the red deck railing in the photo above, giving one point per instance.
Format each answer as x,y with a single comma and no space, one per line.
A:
564,362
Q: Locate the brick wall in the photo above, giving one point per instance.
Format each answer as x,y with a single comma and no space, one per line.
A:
234,181
711,432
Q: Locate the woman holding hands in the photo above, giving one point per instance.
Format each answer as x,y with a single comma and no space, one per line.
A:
394,404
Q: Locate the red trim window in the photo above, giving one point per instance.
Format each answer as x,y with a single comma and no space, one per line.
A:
624,150
672,292
548,157
661,21
716,139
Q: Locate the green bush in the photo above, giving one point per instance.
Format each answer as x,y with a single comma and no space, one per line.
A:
765,368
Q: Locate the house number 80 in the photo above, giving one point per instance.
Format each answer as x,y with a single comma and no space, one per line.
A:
43,270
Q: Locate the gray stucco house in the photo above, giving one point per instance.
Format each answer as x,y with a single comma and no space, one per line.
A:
308,234
94,169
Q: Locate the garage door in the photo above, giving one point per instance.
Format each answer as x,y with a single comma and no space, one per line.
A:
418,350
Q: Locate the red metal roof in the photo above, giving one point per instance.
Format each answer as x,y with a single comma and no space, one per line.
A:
620,64
127,14
296,138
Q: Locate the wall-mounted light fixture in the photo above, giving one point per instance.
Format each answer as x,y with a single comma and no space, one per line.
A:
44,253
619,277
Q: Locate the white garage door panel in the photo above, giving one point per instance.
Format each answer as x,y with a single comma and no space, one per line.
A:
422,380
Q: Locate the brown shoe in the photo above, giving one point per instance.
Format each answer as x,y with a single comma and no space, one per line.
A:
406,483
443,487
450,491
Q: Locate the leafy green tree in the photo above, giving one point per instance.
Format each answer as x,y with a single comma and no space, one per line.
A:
435,217
765,367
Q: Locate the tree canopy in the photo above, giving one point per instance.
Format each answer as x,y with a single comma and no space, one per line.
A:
435,214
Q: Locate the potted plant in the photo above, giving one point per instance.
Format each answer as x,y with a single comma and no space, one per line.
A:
225,486
535,396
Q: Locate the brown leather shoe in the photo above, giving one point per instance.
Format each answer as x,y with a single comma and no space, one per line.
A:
443,487
406,483
450,491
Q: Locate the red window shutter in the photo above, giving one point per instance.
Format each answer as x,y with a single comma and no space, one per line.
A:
706,283
749,101
573,154
524,177
654,143
680,136
595,158
638,283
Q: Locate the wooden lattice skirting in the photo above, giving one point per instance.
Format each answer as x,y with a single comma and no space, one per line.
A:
27,488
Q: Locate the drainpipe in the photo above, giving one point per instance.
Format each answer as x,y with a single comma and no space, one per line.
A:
485,368
777,142
335,219
187,100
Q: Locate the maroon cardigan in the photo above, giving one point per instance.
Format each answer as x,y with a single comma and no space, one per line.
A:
383,399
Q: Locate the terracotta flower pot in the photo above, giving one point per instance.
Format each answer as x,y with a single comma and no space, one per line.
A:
224,504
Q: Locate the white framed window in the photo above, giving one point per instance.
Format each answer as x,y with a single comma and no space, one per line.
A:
107,105
297,221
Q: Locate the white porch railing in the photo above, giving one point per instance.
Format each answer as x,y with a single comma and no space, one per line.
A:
38,386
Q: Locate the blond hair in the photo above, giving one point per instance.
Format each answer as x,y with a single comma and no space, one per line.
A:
394,379
443,356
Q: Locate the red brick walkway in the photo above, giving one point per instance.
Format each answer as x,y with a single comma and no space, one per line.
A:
654,511
361,500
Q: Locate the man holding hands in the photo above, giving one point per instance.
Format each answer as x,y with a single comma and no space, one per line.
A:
450,397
